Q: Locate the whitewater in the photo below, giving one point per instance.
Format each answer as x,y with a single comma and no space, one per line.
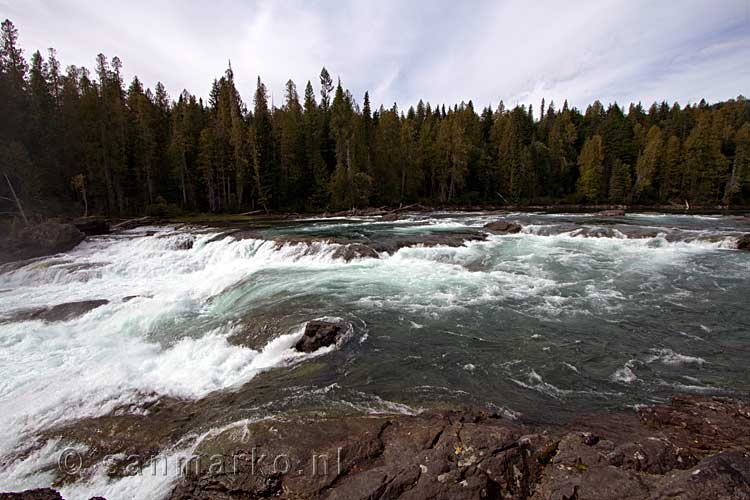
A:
571,315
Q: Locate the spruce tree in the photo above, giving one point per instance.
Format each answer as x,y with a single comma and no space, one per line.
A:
591,170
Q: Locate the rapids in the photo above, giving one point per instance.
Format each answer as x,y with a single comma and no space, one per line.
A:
574,314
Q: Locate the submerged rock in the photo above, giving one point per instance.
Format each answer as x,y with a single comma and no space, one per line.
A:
744,242
503,227
256,333
39,240
59,312
392,244
182,242
610,213
128,298
355,251
322,333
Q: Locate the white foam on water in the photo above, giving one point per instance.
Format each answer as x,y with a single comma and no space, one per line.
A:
535,382
669,357
126,353
625,375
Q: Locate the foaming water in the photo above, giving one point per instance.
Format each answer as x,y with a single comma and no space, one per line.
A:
574,313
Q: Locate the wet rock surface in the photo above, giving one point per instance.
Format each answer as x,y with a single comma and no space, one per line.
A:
92,226
37,494
694,448
355,251
503,227
322,333
39,240
59,312
256,334
743,243
363,248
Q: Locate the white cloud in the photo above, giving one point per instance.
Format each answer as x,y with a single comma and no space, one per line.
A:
443,51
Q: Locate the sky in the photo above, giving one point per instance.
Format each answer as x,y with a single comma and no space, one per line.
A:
401,51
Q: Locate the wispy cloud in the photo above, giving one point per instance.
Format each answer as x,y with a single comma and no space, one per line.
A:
440,51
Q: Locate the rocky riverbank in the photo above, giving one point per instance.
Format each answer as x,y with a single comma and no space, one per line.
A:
693,448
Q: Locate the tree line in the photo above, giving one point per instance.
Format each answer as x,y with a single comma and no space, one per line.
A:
75,141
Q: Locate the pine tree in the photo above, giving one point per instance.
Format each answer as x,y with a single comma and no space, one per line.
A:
590,165
263,148
316,172
619,182
671,179
13,70
12,63
738,187
705,166
292,149
649,164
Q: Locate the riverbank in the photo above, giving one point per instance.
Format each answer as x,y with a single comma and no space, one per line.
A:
692,448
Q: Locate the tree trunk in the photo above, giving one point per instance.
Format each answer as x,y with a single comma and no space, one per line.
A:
15,197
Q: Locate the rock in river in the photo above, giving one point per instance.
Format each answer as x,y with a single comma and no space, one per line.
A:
38,240
503,227
743,243
610,213
91,226
355,251
322,333
59,312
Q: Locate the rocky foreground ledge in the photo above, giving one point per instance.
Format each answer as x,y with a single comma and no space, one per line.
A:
694,448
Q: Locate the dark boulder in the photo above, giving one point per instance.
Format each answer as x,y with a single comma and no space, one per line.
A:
92,226
321,333
390,217
39,240
59,312
503,227
355,251
743,243
610,213
726,475
37,494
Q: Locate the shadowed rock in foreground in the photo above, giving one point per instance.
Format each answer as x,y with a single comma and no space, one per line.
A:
694,448
38,240
38,494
